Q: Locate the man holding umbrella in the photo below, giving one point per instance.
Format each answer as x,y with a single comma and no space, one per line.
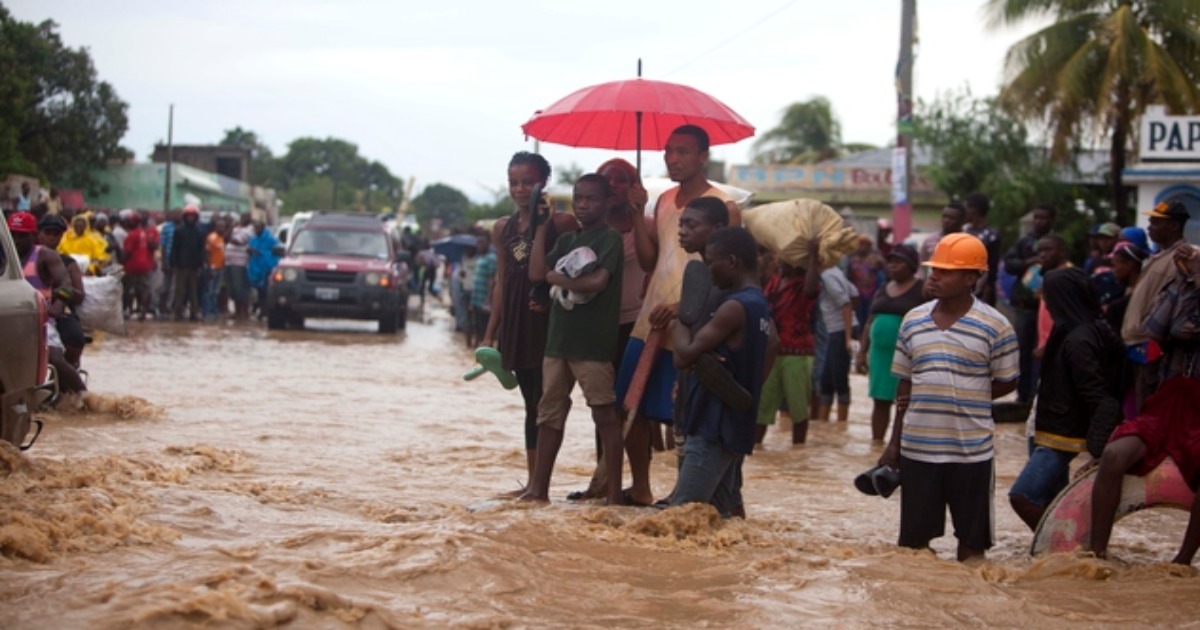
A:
659,253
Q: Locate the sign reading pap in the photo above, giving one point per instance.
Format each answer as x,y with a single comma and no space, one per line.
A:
1175,138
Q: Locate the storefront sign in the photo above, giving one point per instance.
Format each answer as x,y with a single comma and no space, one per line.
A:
1164,137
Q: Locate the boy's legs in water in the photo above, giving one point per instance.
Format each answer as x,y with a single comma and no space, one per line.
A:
637,446
596,381
608,425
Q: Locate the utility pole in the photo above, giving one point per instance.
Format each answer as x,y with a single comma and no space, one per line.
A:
902,155
170,158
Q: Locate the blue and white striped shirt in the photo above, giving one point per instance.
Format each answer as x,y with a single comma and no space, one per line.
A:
949,417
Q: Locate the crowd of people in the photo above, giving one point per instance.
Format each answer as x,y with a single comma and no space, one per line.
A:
612,298
941,330
180,269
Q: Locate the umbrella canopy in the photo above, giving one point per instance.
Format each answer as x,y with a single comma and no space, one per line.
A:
453,247
606,116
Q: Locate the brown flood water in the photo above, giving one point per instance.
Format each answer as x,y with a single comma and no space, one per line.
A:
231,477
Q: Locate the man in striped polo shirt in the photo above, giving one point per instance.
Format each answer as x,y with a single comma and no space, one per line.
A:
953,356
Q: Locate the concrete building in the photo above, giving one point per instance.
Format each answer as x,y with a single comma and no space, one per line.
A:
227,160
862,182
141,187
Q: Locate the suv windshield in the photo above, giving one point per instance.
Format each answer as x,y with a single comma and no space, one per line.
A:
341,243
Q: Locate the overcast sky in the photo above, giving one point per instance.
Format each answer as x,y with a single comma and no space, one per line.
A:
438,90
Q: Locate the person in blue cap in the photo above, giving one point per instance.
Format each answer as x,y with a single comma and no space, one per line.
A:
1137,236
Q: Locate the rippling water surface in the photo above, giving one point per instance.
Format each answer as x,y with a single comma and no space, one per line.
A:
231,477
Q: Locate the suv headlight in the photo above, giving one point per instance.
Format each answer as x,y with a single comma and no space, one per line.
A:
285,274
373,277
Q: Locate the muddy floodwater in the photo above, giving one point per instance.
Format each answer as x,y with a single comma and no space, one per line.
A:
334,477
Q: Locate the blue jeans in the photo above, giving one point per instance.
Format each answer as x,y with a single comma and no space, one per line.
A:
210,287
1046,473
820,349
710,474
835,376
1025,322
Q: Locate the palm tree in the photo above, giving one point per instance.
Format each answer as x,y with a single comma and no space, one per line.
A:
1091,73
808,132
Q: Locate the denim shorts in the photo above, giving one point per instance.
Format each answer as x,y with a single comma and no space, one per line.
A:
1046,473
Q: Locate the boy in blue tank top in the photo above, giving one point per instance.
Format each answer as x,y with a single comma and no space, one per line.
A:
741,334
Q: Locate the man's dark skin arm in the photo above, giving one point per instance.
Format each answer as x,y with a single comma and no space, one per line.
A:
537,257
493,325
812,273
1003,388
772,349
645,233
891,454
50,262
725,326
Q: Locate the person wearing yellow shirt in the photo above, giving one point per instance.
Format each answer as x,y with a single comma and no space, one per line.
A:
81,241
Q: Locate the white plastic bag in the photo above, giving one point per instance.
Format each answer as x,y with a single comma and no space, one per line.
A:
576,263
101,307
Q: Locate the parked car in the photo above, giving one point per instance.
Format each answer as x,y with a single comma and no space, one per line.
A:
289,227
343,266
22,346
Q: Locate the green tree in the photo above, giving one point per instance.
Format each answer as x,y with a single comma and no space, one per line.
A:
264,168
310,193
1092,72
808,132
441,201
568,174
327,174
57,120
977,145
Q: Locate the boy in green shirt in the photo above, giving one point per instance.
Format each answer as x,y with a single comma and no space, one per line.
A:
581,341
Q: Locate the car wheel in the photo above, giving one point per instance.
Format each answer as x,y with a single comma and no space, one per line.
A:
276,319
389,323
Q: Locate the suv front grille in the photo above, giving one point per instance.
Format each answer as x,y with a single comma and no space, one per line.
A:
330,277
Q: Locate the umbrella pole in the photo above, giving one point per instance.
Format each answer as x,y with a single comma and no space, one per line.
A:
639,144
638,116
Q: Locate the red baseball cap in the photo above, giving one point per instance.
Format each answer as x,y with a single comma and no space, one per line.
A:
22,222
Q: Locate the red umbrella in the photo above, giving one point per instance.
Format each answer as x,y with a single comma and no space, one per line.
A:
632,114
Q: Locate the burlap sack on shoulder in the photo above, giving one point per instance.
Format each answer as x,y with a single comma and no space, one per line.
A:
785,227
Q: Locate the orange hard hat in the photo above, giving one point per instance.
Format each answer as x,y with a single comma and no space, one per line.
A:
959,251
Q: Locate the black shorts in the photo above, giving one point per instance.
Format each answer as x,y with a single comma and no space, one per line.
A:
928,489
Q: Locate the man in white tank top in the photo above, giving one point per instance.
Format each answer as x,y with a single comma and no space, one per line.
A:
659,254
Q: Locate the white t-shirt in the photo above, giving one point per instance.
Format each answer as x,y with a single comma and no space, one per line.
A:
836,291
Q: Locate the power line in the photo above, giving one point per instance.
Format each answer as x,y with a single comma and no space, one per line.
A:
733,37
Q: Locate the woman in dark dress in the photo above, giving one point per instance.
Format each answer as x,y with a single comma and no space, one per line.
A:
901,294
517,327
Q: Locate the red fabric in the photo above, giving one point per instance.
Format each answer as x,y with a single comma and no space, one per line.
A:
792,311
605,116
138,257
1170,426
71,199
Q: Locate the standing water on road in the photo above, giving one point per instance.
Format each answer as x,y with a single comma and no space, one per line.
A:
335,477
